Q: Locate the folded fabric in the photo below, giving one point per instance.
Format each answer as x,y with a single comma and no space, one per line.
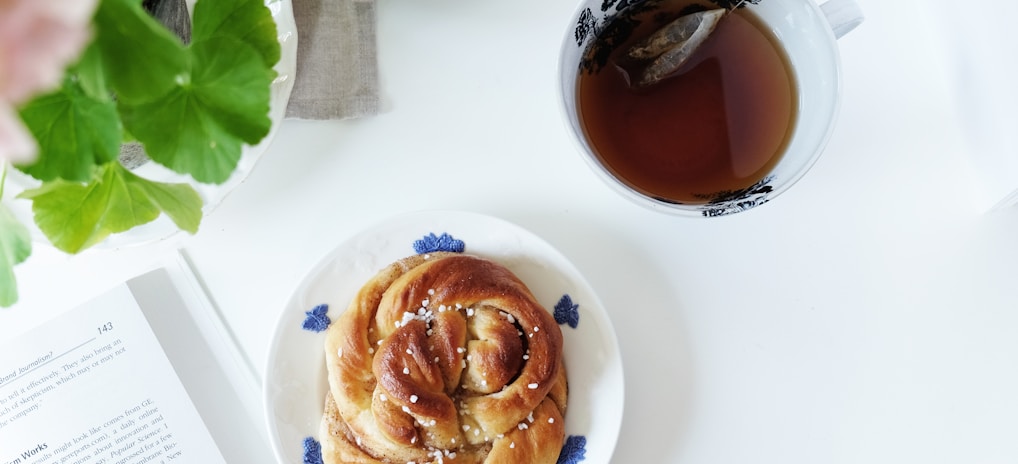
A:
337,67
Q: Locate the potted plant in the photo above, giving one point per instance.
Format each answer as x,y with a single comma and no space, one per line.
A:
192,103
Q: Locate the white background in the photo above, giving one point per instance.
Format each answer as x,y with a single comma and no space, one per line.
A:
869,314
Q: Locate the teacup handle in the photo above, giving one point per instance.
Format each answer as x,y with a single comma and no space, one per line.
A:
842,15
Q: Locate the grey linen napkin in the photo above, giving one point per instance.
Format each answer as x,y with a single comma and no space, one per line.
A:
337,67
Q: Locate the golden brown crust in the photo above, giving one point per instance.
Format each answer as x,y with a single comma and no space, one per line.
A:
444,358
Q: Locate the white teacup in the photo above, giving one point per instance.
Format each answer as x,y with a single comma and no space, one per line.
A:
808,34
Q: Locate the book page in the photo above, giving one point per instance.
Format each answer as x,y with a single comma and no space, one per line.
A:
95,387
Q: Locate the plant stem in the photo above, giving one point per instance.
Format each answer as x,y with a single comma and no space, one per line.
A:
3,178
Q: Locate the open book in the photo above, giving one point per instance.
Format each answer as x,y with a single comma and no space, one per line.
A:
144,373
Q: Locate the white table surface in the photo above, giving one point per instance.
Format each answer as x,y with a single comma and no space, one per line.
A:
869,314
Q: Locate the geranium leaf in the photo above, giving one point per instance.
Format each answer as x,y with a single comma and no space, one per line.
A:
127,205
90,74
75,132
15,247
142,58
71,214
249,21
198,127
234,87
180,202
75,216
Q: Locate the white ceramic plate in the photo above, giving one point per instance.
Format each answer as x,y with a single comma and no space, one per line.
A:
295,377
212,195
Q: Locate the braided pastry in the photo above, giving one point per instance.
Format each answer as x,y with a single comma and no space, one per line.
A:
444,358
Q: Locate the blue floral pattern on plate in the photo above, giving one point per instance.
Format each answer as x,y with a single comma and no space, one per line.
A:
312,451
432,243
567,312
574,451
317,319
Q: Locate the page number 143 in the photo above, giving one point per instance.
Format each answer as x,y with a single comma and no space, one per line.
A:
105,328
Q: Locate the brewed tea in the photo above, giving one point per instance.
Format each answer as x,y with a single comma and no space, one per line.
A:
719,124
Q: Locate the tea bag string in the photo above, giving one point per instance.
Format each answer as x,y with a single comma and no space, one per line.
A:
737,6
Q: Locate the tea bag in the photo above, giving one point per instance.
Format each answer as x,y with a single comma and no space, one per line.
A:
671,46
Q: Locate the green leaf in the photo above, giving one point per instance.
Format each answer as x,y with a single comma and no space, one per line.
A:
90,74
76,216
15,247
249,21
233,87
198,127
142,58
180,202
75,132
